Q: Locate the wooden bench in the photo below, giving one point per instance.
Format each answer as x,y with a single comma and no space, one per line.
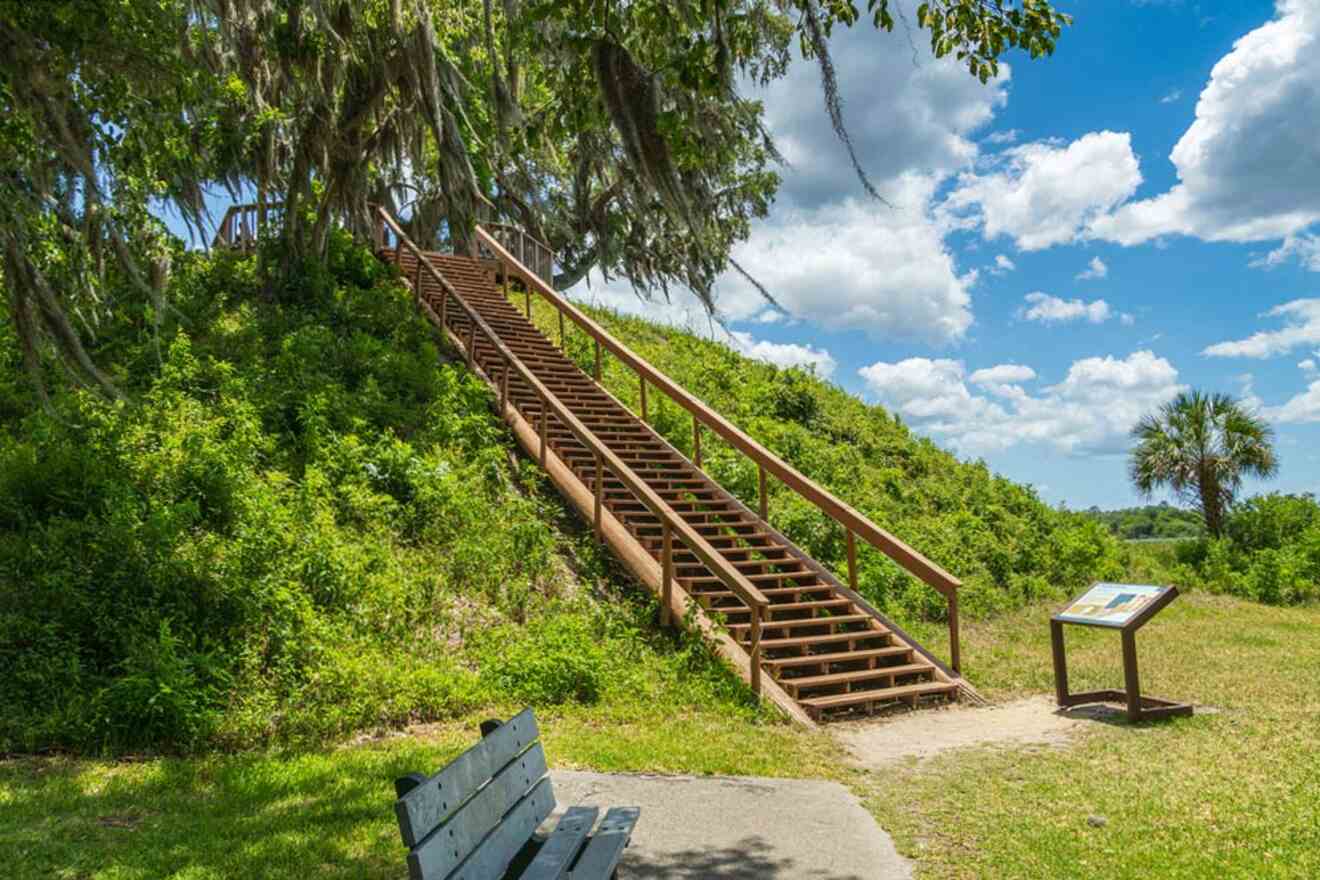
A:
478,816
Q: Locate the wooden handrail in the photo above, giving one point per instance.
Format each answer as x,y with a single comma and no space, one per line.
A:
767,462
735,580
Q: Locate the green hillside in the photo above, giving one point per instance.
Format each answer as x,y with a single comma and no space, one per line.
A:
1007,546
304,520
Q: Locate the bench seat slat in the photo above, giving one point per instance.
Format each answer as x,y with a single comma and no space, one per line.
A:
427,805
449,844
558,852
491,859
606,847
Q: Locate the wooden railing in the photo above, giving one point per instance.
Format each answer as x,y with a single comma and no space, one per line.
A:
672,525
529,251
767,463
242,224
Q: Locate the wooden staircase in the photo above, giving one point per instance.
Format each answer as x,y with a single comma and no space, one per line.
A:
825,651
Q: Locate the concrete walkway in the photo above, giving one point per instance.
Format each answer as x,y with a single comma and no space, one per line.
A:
740,827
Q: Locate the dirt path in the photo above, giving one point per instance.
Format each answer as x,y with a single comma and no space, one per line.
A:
1034,721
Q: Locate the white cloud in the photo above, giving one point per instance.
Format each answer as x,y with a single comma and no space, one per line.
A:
1008,136
1042,194
883,270
1002,264
1002,374
1091,411
1304,248
1301,327
1052,310
768,316
1171,96
784,354
1249,165
1307,366
1301,408
1094,270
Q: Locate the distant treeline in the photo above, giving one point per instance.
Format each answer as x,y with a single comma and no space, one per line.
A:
1152,521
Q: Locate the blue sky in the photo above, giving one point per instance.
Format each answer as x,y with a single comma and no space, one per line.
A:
1064,249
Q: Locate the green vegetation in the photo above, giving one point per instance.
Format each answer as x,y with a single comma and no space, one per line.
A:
1154,521
1007,546
302,523
1228,793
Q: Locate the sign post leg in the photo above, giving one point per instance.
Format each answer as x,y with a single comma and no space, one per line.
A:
1131,682
1060,663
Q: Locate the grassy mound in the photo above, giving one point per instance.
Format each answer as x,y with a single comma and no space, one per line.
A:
301,523
1008,547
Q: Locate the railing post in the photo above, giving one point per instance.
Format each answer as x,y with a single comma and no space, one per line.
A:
472,343
852,559
667,566
955,647
561,329
756,649
417,281
696,442
527,295
600,497
444,307
505,270
504,387
643,386
545,428
597,360
765,504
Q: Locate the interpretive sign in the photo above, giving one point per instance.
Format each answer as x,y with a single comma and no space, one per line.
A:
1126,608
1111,604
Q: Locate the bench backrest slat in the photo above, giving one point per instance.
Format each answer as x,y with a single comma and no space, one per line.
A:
430,803
454,840
491,859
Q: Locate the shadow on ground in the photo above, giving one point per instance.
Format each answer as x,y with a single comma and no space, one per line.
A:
751,857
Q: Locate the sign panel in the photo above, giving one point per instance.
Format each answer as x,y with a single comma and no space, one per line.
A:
1111,604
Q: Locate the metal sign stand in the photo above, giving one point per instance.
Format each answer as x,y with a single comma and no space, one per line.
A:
1139,708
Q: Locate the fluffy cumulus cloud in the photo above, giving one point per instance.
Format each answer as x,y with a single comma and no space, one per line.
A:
1046,193
1002,265
784,354
1301,328
1091,411
1046,309
1095,270
882,270
1300,409
1249,165
1002,374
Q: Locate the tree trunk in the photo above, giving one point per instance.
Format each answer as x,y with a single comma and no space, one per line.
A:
1210,504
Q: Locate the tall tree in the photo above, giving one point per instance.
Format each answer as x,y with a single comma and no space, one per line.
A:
1201,446
613,129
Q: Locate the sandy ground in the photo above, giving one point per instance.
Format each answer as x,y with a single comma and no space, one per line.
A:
1035,721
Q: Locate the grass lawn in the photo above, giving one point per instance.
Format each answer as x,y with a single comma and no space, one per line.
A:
1233,793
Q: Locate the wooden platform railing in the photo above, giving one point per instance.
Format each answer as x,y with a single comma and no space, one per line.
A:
529,250
768,464
242,224
673,526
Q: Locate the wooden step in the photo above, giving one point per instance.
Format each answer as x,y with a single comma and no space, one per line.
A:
830,678
831,639
799,622
879,695
840,657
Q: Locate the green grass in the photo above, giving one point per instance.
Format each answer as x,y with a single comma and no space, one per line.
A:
1228,793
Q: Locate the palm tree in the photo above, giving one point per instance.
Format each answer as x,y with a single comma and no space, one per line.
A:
1201,446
